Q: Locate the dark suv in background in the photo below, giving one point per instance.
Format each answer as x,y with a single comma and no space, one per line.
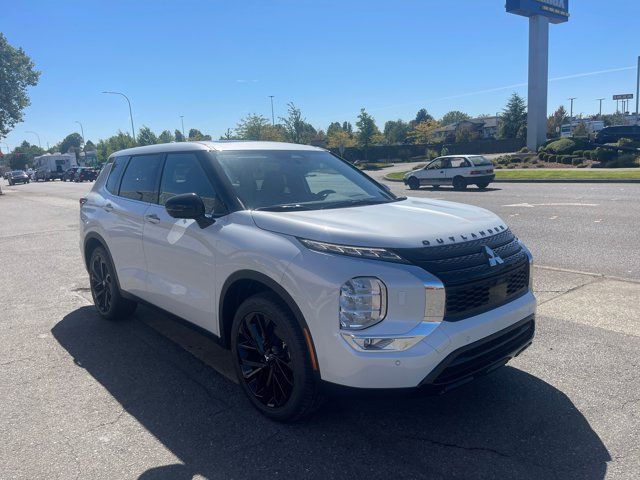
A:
18,176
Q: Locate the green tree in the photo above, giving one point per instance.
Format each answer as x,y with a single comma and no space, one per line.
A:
146,136
179,136
423,132
347,127
368,132
333,128
73,142
513,121
120,141
296,127
421,116
340,139
396,131
22,155
228,135
555,121
453,116
166,137
196,135
17,72
252,127
89,146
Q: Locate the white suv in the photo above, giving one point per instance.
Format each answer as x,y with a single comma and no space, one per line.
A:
456,170
308,270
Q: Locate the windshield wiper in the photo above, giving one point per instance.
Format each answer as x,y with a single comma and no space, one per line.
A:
282,208
355,203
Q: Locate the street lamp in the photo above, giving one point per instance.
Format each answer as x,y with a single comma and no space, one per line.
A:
36,134
133,131
571,114
273,119
600,100
82,130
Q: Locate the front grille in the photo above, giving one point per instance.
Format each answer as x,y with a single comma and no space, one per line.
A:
481,357
472,285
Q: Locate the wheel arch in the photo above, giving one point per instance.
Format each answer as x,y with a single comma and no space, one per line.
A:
91,241
245,283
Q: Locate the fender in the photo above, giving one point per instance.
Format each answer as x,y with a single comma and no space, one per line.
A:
96,236
277,288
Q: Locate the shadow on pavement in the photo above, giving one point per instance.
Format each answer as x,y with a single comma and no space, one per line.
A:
508,425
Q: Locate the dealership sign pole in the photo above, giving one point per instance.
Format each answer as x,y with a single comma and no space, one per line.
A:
540,13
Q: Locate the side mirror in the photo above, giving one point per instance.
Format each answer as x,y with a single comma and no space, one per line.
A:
188,205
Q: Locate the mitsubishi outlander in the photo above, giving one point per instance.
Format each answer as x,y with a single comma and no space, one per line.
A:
309,271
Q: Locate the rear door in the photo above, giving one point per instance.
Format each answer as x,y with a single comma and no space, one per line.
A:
458,166
132,186
180,255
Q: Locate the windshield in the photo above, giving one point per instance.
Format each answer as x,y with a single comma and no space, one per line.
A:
298,180
479,160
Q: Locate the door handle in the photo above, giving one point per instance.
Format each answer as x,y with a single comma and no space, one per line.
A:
152,218
108,207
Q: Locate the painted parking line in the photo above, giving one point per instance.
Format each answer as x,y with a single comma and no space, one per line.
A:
532,205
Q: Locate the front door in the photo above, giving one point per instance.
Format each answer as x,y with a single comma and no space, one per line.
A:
434,173
180,255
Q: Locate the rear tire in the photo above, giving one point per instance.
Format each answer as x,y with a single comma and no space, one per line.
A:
482,186
459,183
414,183
272,360
107,298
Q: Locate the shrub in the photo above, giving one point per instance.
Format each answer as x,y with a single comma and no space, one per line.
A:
511,166
514,159
582,165
624,141
628,160
444,151
578,153
524,150
552,157
534,161
566,159
562,146
542,156
576,161
605,155
431,153
589,154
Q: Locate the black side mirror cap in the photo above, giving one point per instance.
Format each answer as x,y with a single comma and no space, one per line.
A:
188,205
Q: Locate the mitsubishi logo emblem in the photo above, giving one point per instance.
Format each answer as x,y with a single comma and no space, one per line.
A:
494,259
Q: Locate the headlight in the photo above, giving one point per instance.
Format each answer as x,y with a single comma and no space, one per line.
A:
363,302
362,252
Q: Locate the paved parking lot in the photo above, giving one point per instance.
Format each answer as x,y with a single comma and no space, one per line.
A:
147,398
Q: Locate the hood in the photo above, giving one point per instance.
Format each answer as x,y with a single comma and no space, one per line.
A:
409,223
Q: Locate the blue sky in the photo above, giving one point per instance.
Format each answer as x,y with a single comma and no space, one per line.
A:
216,61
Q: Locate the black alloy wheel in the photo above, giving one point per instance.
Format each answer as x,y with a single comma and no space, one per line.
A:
414,183
102,284
265,360
109,302
459,183
274,365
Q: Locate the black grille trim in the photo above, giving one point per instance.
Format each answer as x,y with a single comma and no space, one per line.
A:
481,357
472,285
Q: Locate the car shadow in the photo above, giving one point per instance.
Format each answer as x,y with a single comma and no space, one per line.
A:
447,188
508,425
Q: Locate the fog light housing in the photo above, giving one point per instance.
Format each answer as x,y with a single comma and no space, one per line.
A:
363,302
380,344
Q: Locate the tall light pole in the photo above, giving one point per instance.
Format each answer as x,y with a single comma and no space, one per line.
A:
638,94
36,134
600,100
82,130
133,131
273,118
571,111
182,120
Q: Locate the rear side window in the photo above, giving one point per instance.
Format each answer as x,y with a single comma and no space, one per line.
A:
459,162
116,173
140,179
184,174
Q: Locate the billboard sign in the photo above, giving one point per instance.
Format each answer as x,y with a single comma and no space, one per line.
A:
625,96
556,10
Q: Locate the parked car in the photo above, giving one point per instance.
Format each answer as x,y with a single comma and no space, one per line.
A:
18,176
69,174
456,170
615,133
85,174
311,272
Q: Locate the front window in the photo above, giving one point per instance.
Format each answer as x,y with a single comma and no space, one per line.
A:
480,161
298,180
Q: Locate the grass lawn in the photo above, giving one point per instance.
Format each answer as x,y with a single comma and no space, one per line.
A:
558,174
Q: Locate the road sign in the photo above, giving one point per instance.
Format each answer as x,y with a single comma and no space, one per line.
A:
624,96
557,11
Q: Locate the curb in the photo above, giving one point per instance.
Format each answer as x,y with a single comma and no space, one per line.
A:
550,180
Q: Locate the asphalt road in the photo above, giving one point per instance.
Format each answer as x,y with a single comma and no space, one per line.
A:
147,398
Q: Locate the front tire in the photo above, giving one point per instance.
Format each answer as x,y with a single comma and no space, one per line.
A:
272,360
414,183
482,186
107,298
